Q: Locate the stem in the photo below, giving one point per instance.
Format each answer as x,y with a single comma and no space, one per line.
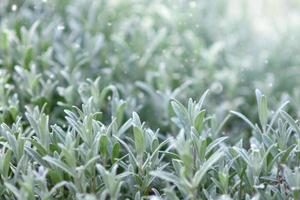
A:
241,182
297,194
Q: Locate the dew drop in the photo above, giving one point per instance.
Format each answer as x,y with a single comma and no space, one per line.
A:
217,87
193,4
272,112
76,46
253,146
60,27
14,7
266,61
261,186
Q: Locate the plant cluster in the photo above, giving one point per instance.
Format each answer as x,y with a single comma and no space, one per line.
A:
88,158
102,100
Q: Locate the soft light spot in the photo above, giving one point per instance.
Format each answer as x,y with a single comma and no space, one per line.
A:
60,27
193,4
14,7
217,87
261,186
253,146
76,46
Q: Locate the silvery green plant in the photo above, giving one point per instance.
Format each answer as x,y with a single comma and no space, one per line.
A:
116,158
195,149
102,100
9,102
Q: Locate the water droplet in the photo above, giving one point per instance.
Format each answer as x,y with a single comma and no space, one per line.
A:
45,1
109,23
60,27
14,7
217,87
261,186
76,46
193,4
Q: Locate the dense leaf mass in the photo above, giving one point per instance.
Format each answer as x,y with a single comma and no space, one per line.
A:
149,99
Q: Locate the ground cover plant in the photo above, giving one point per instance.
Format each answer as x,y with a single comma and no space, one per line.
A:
160,99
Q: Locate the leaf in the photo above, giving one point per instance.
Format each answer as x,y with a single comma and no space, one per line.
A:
136,120
13,189
290,120
206,167
6,163
40,148
202,98
244,155
155,152
275,115
128,150
166,176
243,117
115,152
182,114
91,162
103,145
35,156
125,127
221,125
139,140
57,186
28,56
262,109
61,165
198,122
286,154
120,112
214,144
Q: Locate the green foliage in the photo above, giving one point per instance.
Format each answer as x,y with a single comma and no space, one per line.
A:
140,99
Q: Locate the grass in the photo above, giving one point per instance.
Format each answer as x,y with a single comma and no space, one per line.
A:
149,100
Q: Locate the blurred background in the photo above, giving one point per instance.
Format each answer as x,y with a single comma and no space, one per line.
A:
152,51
